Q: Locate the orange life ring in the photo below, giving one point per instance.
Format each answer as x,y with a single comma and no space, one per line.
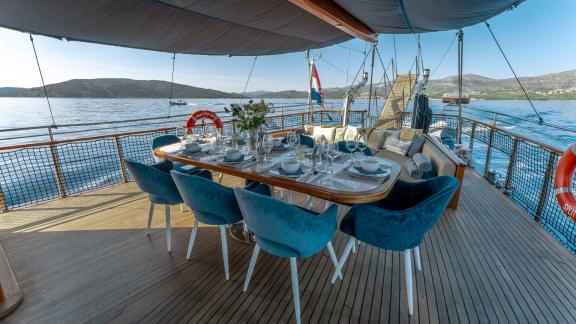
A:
203,114
563,182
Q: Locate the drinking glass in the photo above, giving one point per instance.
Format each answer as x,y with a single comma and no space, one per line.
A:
267,145
292,141
352,146
332,152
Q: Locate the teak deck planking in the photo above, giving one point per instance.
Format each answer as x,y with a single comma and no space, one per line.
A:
87,259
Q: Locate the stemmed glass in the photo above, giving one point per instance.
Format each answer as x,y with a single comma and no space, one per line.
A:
332,151
352,146
267,145
362,143
293,141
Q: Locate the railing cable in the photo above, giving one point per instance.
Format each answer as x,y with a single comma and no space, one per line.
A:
43,84
540,120
444,56
248,80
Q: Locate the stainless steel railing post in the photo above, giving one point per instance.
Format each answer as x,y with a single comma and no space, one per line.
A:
488,153
511,164
123,169
472,134
545,187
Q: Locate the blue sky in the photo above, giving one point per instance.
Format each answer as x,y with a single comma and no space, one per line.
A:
538,37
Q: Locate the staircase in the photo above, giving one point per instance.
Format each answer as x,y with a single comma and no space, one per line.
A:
391,115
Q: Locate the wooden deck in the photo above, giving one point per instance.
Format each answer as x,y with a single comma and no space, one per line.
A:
87,259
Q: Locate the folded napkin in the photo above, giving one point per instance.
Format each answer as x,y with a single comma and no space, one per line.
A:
284,173
378,171
413,170
226,159
422,162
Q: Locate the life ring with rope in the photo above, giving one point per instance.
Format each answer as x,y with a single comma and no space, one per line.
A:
563,181
203,114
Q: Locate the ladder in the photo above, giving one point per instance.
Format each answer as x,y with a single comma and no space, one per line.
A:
398,98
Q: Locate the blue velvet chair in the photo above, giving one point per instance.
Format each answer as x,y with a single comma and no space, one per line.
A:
213,204
155,180
285,230
342,148
399,222
167,140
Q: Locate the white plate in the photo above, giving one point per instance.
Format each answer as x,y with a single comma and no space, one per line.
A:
276,172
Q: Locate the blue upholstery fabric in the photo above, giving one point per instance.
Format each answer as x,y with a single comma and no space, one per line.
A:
171,139
285,230
401,220
212,202
342,148
155,180
306,140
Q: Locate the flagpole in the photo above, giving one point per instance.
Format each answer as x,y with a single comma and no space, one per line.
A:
309,60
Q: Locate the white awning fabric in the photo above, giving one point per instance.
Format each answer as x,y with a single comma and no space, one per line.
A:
232,27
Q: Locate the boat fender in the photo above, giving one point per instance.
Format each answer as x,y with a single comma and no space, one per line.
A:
203,114
563,181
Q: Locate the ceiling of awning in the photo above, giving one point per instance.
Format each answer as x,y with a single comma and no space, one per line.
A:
232,27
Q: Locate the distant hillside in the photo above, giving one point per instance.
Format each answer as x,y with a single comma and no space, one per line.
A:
548,86
9,90
119,88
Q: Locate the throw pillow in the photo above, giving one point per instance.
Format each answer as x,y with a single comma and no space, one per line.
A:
416,146
327,132
339,134
408,134
376,139
351,133
397,146
309,129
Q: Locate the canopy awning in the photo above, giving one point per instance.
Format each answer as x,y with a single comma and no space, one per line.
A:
233,27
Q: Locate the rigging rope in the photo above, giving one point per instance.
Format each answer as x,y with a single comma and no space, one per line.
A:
42,78
384,67
248,80
540,120
348,63
395,57
337,68
443,56
171,85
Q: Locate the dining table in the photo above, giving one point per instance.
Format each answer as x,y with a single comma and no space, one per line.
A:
343,184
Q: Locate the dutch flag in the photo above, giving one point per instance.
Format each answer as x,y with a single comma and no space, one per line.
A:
316,90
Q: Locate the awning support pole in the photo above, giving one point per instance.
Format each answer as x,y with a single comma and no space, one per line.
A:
371,78
460,60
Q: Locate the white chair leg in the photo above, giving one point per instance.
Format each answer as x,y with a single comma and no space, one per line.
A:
251,266
343,259
408,275
150,213
224,250
417,258
192,238
168,230
289,194
295,288
333,257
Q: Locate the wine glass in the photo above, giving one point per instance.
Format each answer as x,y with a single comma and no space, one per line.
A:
362,143
267,145
292,141
332,151
352,146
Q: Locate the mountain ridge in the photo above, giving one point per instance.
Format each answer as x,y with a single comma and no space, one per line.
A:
560,85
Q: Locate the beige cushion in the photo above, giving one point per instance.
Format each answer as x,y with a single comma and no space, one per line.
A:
351,133
309,129
376,139
327,132
408,134
397,146
441,162
339,133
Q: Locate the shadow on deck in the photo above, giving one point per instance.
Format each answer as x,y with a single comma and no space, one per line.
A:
87,258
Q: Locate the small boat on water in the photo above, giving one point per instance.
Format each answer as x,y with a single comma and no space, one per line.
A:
452,98
178,102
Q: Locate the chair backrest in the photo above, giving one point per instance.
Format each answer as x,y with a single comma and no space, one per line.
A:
155,180
285,230
401,229
162,141
211,202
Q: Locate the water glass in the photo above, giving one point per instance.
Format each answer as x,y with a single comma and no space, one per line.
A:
267,145
352,146
332,152
292,140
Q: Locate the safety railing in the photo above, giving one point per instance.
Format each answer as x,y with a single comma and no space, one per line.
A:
526,168
57,168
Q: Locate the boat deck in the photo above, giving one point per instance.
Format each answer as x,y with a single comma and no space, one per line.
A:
87,259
